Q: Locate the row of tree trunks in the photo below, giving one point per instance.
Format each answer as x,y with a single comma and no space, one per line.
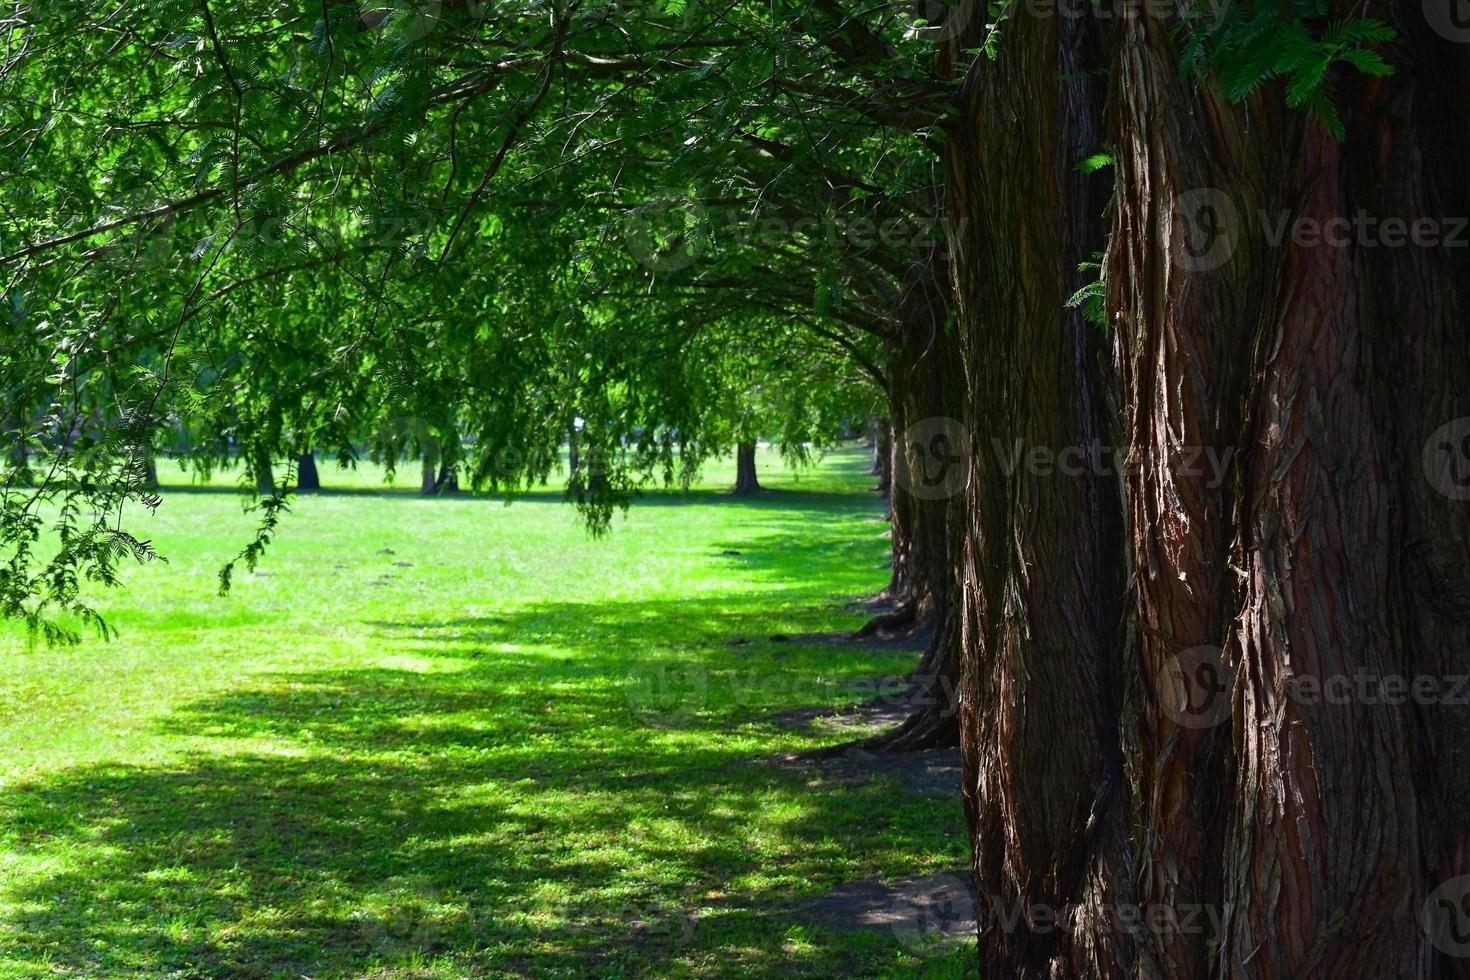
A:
921,391
1319,828
904,587
1272,401
882,439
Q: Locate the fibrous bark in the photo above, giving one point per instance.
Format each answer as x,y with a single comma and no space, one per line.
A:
1275,401
1039,561
1320,368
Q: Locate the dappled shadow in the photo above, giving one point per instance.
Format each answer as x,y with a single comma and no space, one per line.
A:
547,801
556,789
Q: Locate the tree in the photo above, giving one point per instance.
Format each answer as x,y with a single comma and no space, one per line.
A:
1320,394
1102,772
388,218
307,478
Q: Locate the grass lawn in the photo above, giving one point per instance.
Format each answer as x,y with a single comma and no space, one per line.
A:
454,738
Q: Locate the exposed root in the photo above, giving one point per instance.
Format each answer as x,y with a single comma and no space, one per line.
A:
904,616
933,724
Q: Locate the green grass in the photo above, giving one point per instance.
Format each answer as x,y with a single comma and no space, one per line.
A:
451,738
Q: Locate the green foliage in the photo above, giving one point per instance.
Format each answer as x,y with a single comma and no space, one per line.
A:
1091,299
1257,42
272,508
318,227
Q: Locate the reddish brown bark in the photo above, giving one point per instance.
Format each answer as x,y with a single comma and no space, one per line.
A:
1319,828
1041,556
1300,835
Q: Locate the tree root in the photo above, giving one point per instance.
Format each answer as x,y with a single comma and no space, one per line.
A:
907,614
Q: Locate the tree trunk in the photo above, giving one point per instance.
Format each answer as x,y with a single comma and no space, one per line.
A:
447,480
928,474
1153,790
265,478
18,454
745,479
1039,558
307,478
883,458
574,461
904,586
1321,372
922,388
439,476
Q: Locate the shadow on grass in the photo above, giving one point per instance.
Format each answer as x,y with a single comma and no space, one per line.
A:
570,791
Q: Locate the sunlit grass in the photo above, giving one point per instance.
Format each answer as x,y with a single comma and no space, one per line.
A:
452,738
